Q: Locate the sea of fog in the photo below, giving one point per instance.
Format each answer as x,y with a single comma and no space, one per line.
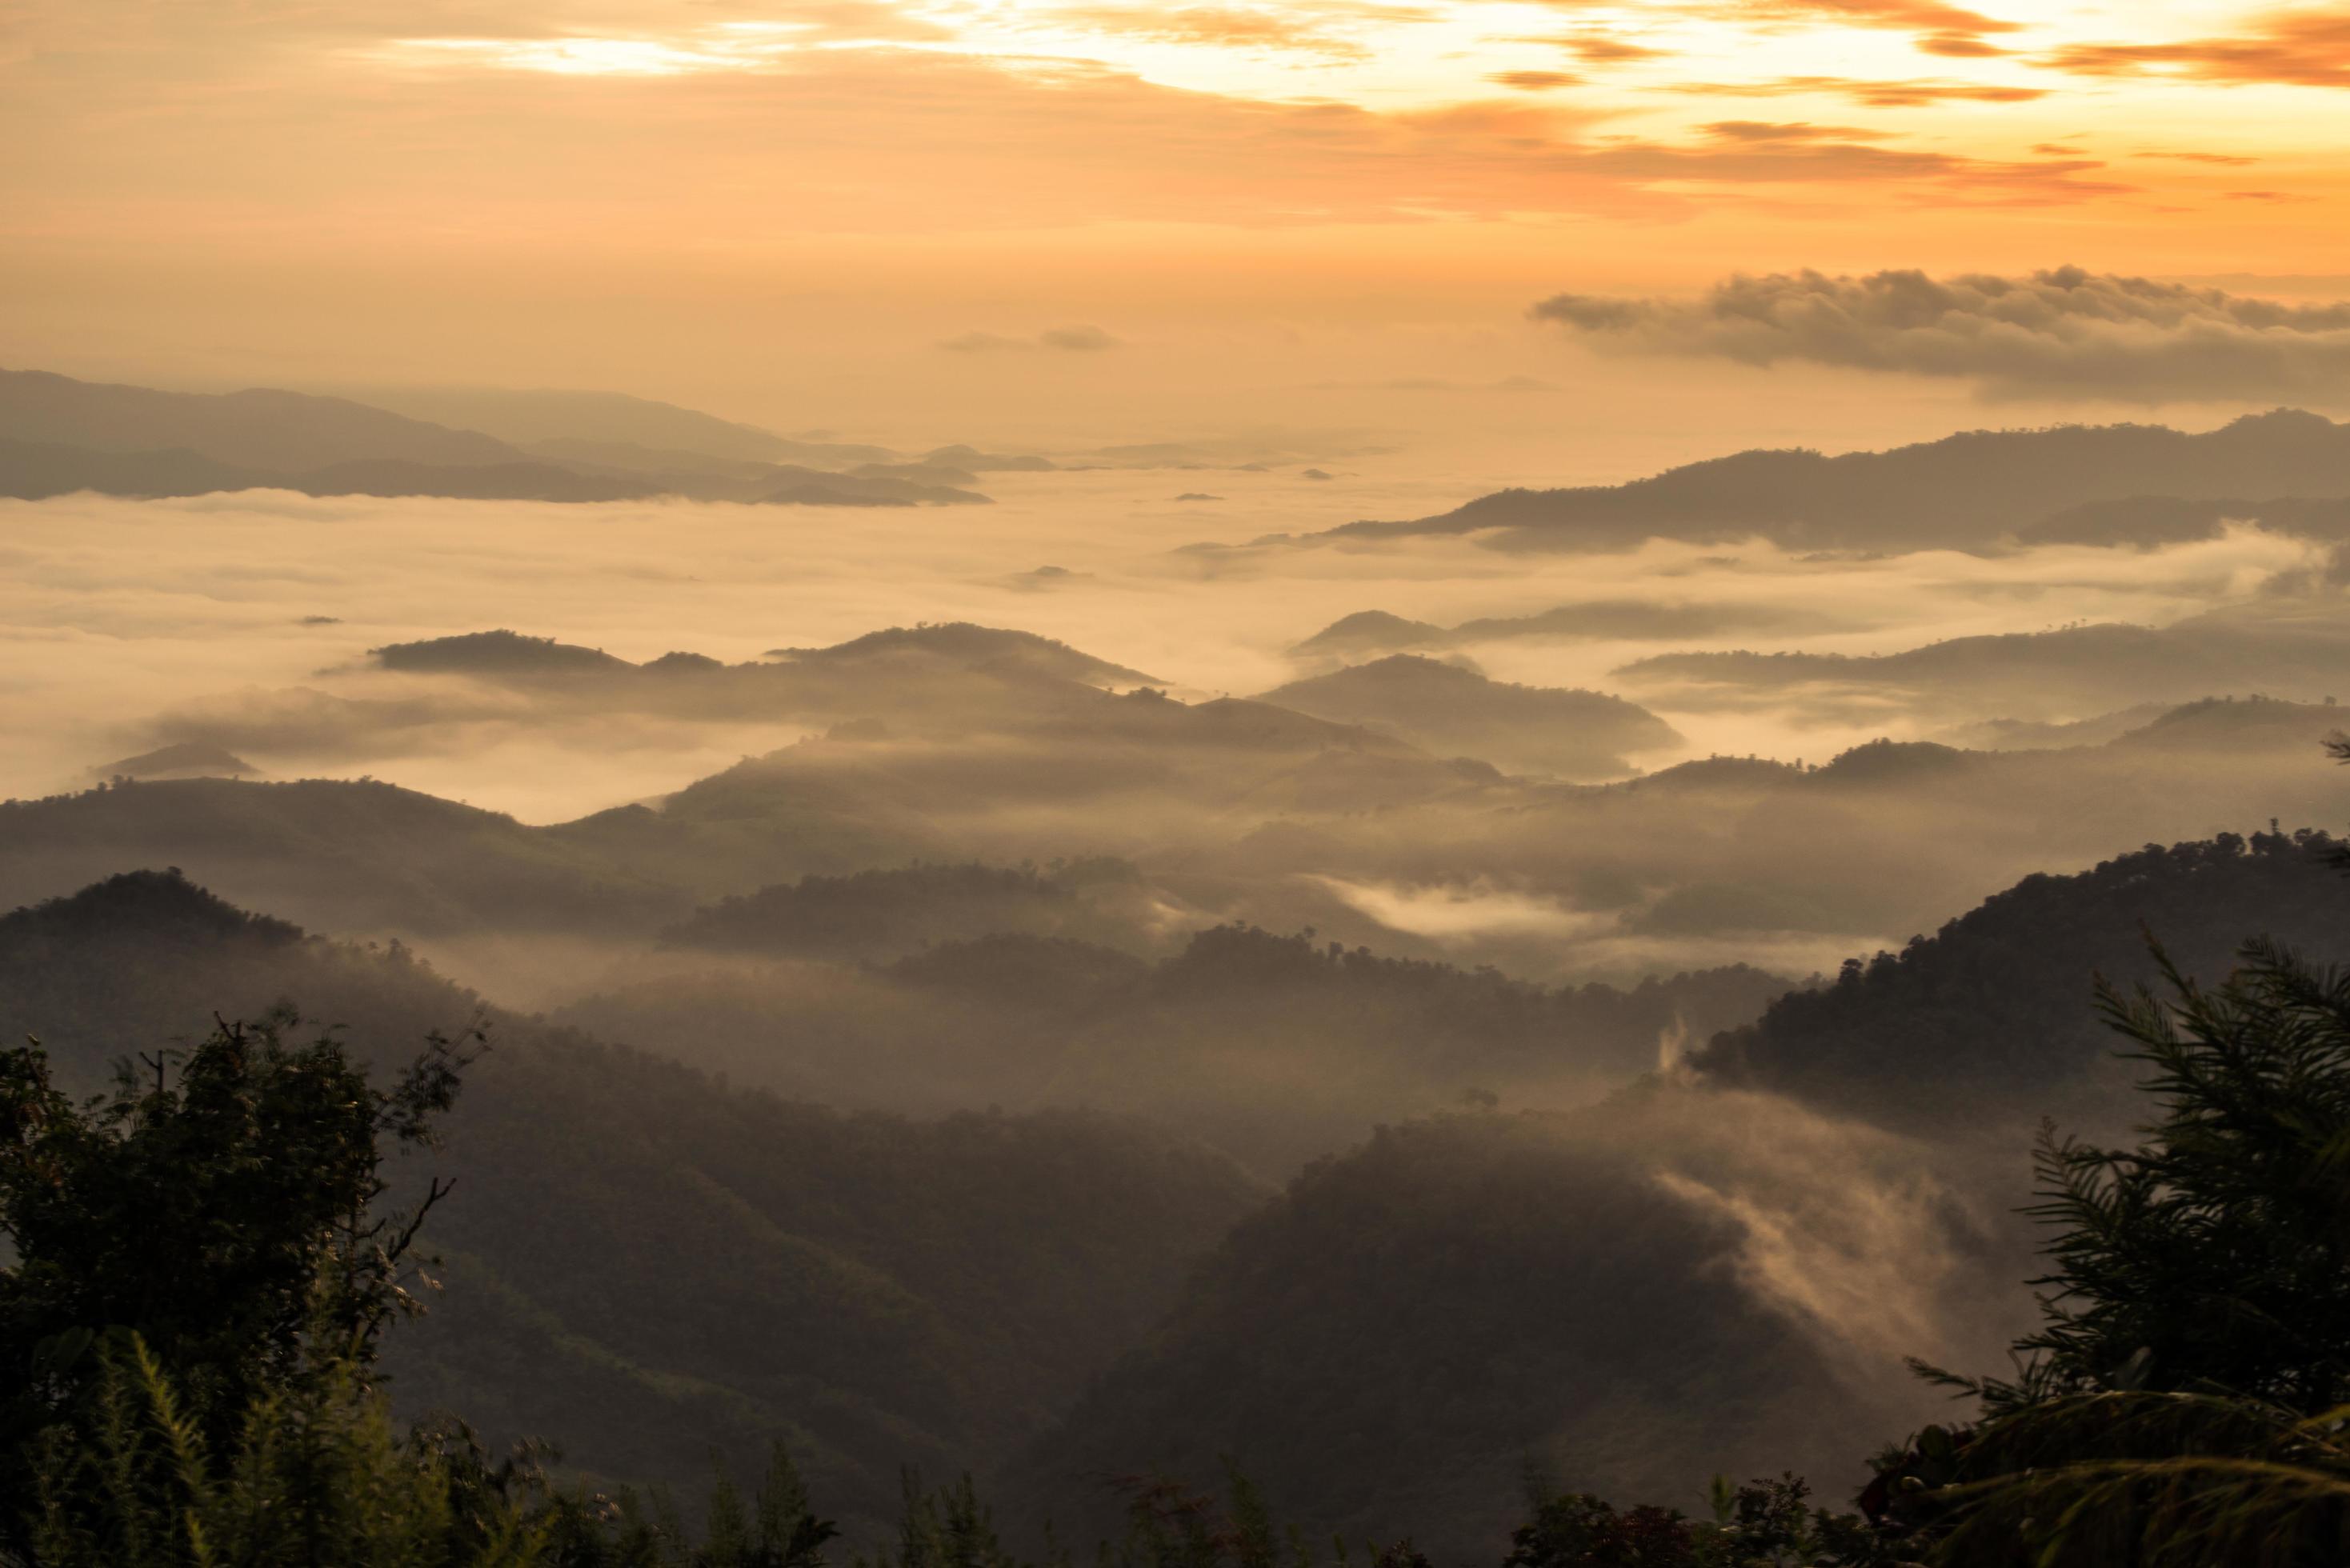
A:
113,612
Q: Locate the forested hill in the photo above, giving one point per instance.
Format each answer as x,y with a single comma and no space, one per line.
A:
1997,1006
1465,1303
1690,1275
1278,1049
644,1264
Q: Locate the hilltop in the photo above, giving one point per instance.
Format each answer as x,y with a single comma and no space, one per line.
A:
1969,491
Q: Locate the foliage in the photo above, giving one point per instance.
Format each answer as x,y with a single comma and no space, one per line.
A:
1762,1524
1988,1009
775,1528
316,1474
2214,1256
2182,1400
229,1217
319,1474
2139,1479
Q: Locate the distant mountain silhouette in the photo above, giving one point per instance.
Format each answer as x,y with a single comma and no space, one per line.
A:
979,461
905,651
499,652
2278,645
1969,491
33,471
673,466
357,856
888,914
1457,711
59,435
931,474
187,760
968,643
614,421
2232,726
2034,736
1372,631
521,481
278,431
1377,631
1276,1049
2151,520
1052,744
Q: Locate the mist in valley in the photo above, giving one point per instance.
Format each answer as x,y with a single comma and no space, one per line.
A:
1393,882
957,786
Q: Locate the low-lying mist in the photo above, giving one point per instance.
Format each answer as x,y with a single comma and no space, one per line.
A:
122,614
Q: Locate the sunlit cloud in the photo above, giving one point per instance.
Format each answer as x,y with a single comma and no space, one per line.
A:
569,57
2304,48
1912,93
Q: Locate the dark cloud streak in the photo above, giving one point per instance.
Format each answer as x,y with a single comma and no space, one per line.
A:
2062,333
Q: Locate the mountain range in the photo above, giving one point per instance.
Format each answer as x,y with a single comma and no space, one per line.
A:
650,1264
1977,490
58,436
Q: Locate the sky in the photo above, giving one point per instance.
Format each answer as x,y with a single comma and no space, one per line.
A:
955,217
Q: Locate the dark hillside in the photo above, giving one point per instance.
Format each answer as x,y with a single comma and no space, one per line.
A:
1993,1010
1416,1328
644,1262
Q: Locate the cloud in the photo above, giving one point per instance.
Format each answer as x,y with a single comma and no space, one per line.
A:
1949,31
1910,93
1779,131
2226,159
1601,51
1534,81
1908,15
1594,48
1798,153
1959,47
1440,384
1080,340
2065,333
1241,28
1077,339
567,151
2307,48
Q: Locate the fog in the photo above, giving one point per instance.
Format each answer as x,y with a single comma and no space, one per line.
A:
1526,892
120,613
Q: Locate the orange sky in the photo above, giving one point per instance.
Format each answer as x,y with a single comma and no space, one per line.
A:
837,211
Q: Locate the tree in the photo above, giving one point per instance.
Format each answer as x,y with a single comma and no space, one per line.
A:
2183,1402
2215,1256
229,1218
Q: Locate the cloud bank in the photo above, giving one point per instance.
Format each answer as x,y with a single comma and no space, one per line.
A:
2064,333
